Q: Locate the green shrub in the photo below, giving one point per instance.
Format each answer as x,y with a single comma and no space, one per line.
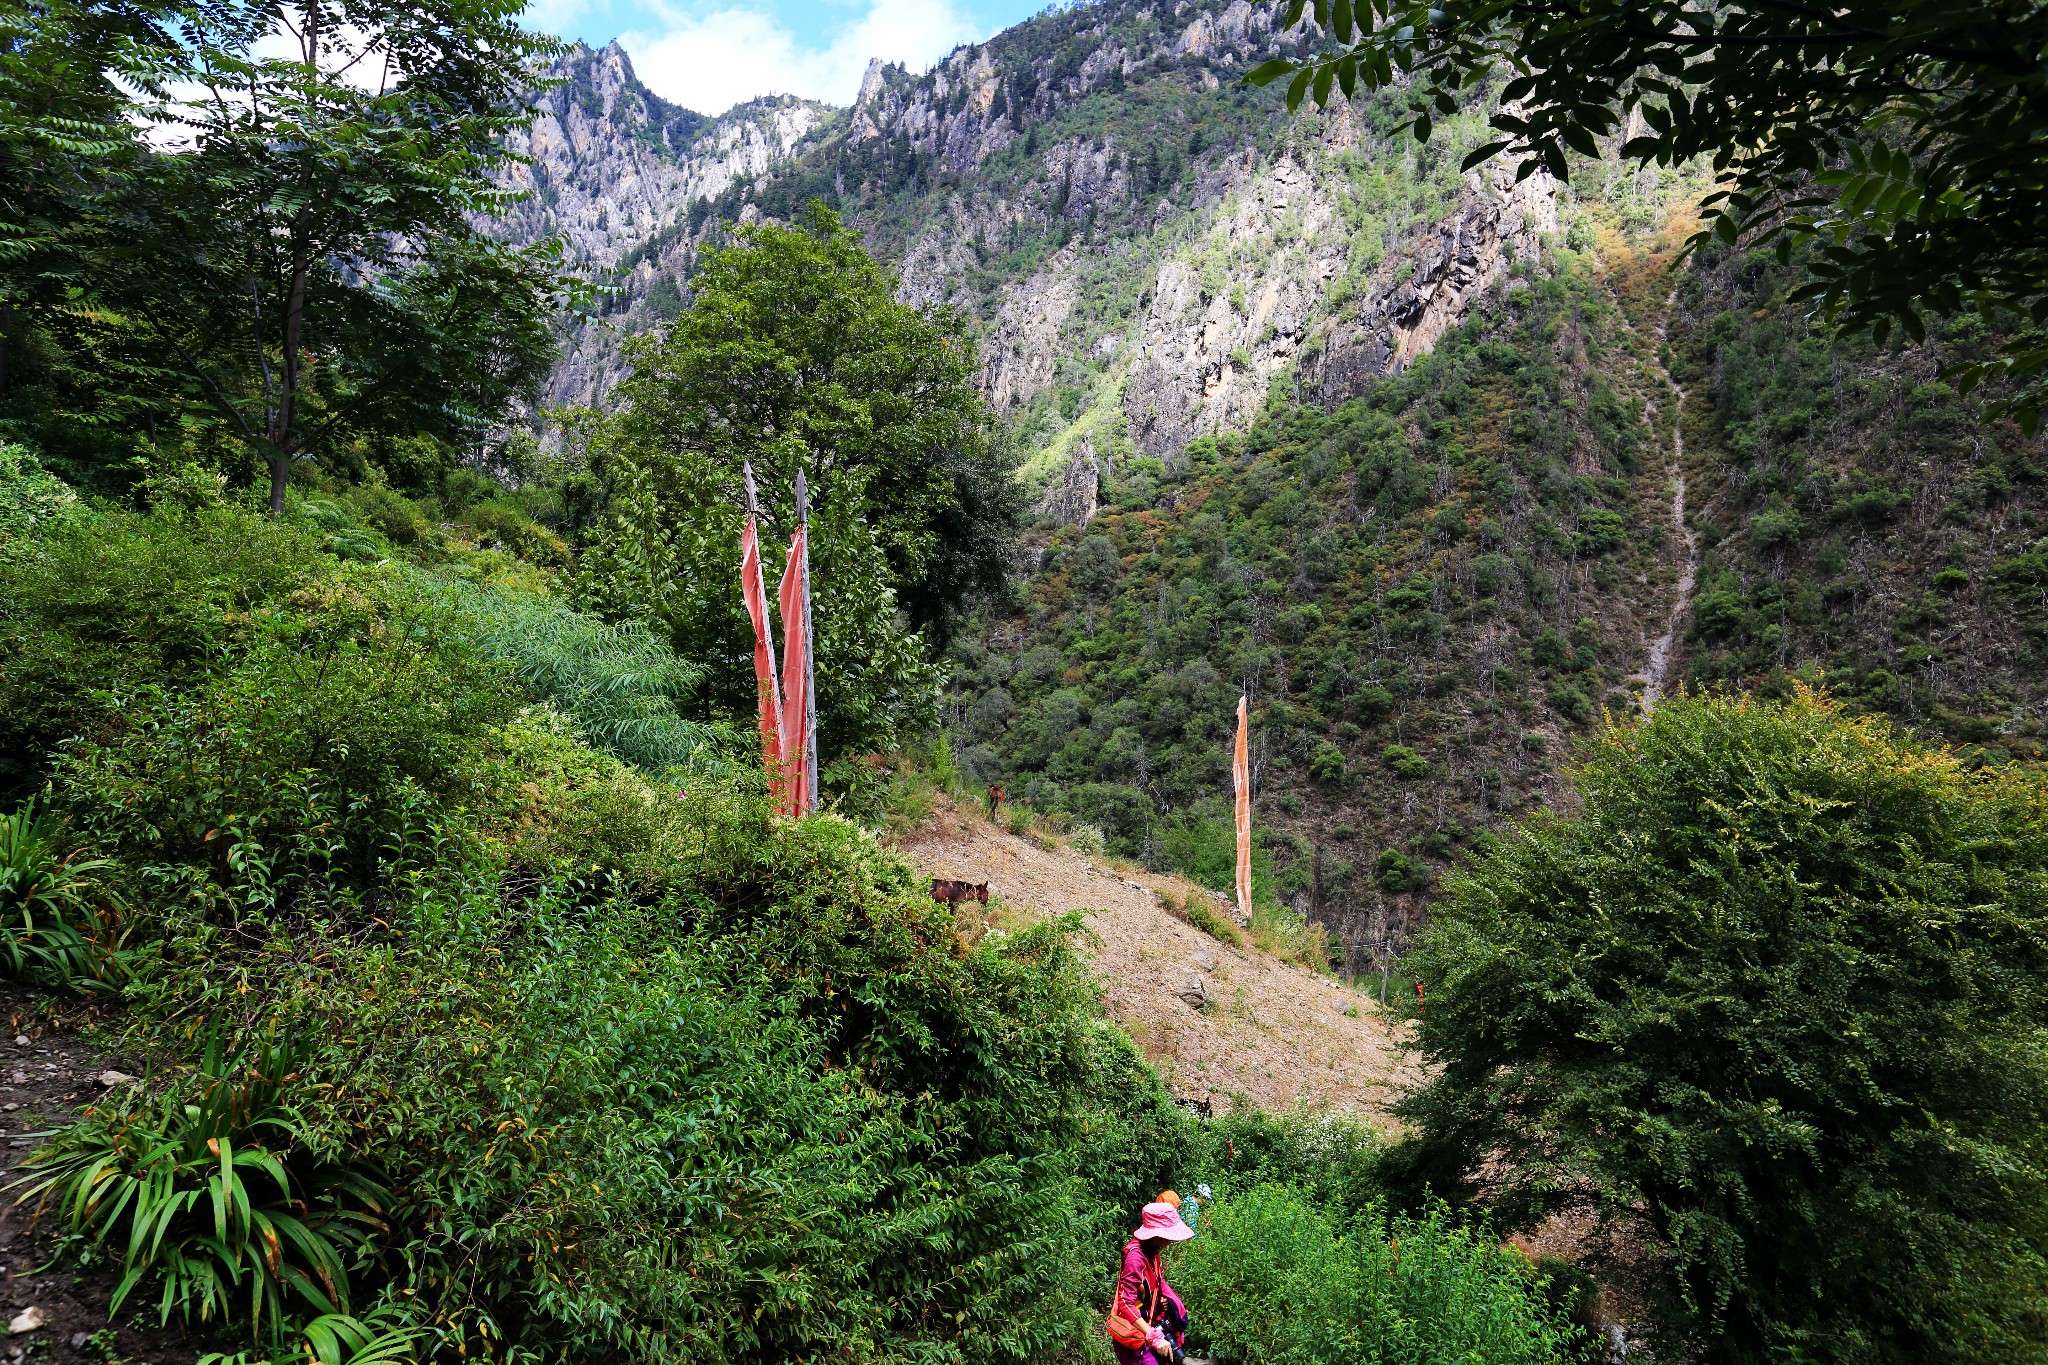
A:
100,604
1774,997
54,925
504,523
1273,1278
1403,761
211,1193
392,515
29,494
1198,913
304,757
624,688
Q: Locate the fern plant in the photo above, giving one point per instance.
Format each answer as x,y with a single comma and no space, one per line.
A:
50,930
217,1197
623,686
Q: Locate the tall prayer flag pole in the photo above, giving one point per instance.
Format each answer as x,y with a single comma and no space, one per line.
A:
795,706
803,521
767,687
1240,770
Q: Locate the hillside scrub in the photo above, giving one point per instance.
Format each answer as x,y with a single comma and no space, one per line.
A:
471,1039
1408,587
1770,1003
1867,528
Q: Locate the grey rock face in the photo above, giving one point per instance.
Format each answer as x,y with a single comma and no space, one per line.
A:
1155,284
1074,499
611,168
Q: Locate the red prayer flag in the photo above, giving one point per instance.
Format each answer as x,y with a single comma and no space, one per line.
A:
1240,771
768,691
796,701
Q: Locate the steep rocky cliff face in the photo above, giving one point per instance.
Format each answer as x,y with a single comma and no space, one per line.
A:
1141,246
608,166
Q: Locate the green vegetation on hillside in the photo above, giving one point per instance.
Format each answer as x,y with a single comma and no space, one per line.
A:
1423,592
1866,529
1772,1001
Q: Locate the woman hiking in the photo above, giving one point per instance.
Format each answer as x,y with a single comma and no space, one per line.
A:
1147,1323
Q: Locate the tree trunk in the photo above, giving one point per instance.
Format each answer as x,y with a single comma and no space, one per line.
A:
294,321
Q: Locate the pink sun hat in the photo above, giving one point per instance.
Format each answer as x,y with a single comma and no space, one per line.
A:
1163,1221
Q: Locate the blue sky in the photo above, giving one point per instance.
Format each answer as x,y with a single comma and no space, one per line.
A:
709,55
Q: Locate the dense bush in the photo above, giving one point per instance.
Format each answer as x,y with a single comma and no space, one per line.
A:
1272,1277
624,687
103,604
1775,1000
774,1113
585,1063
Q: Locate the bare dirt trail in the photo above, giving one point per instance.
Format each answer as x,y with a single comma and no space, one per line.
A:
1270,1033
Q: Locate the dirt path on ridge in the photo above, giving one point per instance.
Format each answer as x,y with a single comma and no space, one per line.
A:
1271,1034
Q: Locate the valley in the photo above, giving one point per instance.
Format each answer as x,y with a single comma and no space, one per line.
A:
620,729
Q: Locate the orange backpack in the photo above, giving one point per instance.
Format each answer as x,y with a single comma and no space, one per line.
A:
1126,1332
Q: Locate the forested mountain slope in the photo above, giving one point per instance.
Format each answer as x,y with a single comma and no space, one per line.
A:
1865,528
1314,416
1424,593
1140,245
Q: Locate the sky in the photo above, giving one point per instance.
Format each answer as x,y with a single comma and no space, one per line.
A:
709,55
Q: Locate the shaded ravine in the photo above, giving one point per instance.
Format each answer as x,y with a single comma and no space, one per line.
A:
1658,667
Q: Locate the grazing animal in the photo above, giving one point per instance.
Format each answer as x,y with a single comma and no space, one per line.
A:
995,800
946,891
1199,1108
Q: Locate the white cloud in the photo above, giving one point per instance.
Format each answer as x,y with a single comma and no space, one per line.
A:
711,62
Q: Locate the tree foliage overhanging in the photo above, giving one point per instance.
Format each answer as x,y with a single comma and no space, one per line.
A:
1776,993
1908,137
211,251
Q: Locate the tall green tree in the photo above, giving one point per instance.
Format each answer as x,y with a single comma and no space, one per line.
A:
1907,138
289,256
795,354
72,72
1777,995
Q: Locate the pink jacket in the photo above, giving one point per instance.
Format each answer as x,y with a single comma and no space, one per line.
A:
1134,1290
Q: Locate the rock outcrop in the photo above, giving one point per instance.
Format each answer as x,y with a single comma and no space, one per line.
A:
1142,247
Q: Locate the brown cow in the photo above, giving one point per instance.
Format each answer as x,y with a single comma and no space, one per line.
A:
946,891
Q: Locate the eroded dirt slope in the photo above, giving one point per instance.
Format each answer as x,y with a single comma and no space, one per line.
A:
1271,1033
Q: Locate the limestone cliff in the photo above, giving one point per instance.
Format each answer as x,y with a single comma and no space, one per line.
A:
1142,246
